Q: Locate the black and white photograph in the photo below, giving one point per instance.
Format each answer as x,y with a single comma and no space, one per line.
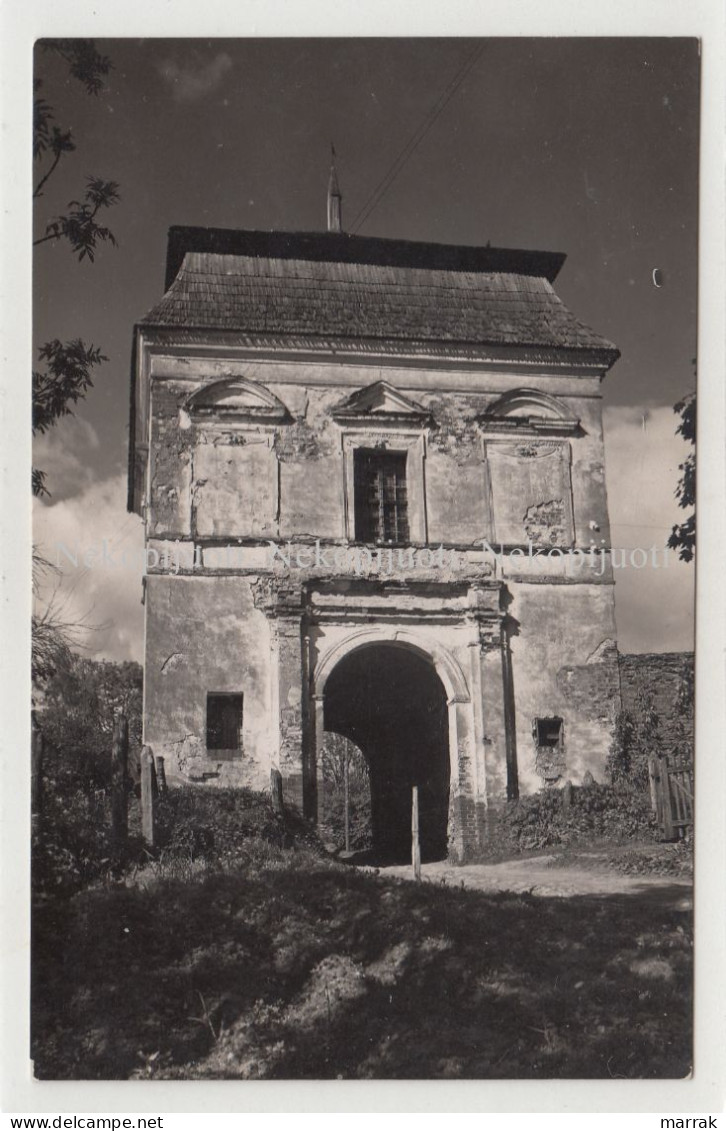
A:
364,407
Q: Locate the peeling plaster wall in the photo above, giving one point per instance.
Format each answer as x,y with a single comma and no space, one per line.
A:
292,473
217,480
170,460
564,662
204,634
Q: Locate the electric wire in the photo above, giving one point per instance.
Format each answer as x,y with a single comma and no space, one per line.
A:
415,140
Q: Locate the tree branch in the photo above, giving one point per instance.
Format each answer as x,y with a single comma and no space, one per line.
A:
49,174
44,239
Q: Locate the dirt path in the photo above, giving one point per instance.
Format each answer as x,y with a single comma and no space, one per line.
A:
536,877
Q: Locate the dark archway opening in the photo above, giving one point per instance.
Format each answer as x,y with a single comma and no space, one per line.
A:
390,702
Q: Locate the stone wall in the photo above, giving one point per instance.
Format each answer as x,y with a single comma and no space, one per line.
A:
661,677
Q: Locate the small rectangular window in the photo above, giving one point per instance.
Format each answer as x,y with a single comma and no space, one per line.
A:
550,762
224,721
381,498
548,733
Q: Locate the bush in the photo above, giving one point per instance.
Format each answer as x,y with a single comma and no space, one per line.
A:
596,811
74,848
219,825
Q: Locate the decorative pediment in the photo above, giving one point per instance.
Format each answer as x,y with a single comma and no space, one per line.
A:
237,398
383,404
529,412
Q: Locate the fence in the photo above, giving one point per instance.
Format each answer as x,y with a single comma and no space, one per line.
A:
671,792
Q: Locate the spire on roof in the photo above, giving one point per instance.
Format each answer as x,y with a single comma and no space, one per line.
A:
335,199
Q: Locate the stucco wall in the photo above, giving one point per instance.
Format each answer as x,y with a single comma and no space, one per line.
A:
215,482
564,663
287,480
203,634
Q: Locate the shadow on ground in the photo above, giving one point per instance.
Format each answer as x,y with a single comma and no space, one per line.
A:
325,971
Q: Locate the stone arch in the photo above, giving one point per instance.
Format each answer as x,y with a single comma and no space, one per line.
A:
445,665
459,705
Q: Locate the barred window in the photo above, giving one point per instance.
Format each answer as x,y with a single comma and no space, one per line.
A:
381,498
224,721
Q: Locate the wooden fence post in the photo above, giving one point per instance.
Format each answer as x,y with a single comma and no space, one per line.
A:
666,804
160,773
567,794
276,791
415,845
346,786
119,779
653,785
147,796
36,774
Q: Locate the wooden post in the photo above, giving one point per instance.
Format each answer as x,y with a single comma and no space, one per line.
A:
119,779
653,785
36,774
160,772
415,846
346,785
154,778
147,796
667,806
276,791
567,794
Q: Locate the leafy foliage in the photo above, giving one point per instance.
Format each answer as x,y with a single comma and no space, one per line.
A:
64,381
339,752
73,845
78,712
79,225
596,811
67,375
219,825
635,740
683,535
85,62
640,735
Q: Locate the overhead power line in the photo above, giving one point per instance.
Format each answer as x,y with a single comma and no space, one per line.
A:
416,138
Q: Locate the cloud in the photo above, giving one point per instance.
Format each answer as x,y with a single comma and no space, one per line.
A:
64,454
194,80
654,606
98,549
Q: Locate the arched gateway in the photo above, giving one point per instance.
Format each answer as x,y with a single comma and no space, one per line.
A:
397,701
316,484
390,702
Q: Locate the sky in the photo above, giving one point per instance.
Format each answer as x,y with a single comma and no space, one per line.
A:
584,146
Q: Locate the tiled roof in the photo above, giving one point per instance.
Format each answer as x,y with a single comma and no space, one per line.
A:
341,247
389,303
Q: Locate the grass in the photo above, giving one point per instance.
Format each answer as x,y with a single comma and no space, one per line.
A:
280,964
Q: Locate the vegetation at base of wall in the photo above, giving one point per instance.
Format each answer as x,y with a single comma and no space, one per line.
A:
72,842
197,828
221,826
641,735
542,820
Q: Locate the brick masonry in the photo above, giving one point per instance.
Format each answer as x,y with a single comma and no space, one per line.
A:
661,676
